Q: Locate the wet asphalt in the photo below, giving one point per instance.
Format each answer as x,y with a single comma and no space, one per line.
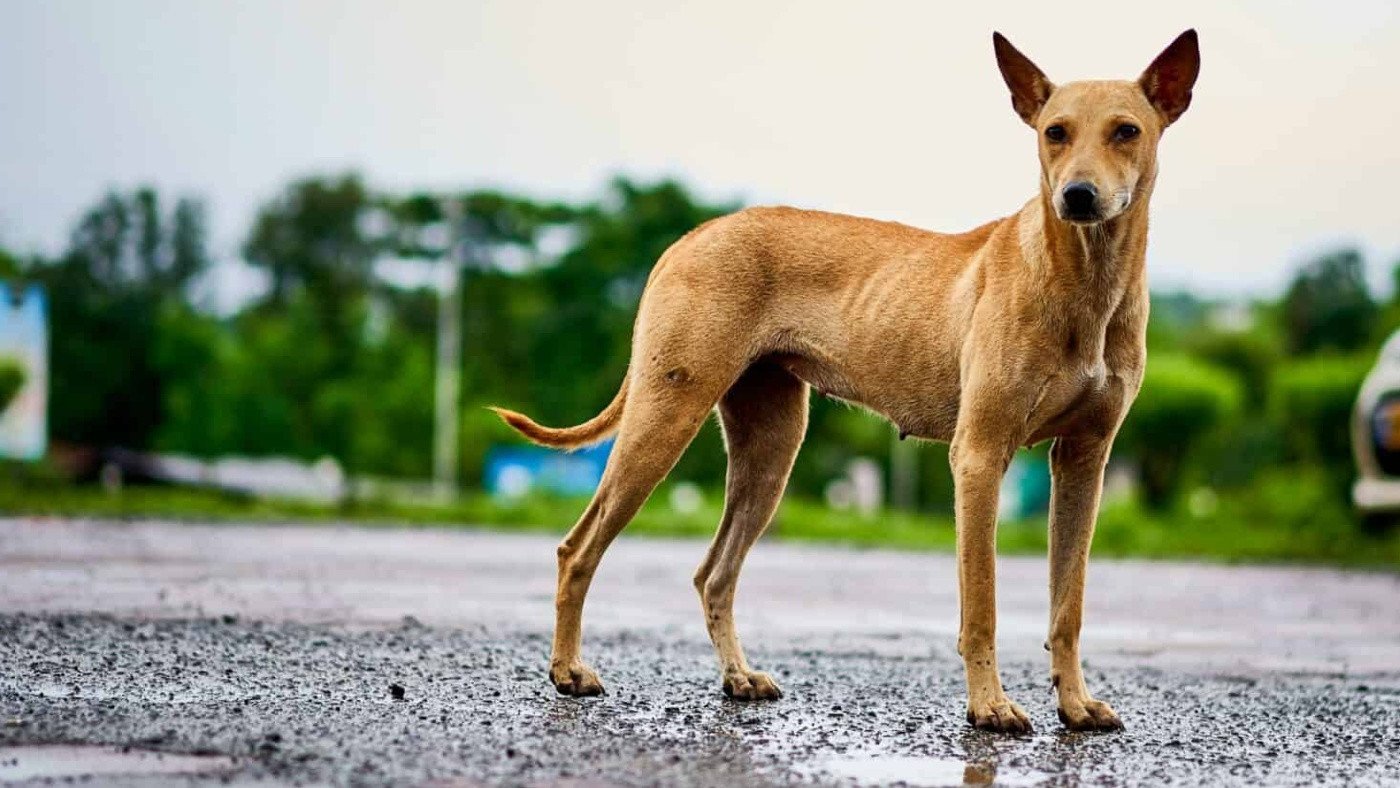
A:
345,656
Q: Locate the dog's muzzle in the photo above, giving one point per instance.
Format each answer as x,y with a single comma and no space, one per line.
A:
1080,202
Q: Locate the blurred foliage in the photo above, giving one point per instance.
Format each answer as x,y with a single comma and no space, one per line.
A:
1312,404
10,265
1250,356
333,359
1329,306
127,260
11,381
1181,402
311,239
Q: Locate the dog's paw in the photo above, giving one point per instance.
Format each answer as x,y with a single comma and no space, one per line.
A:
751,685
1001,716
576,680
1090,715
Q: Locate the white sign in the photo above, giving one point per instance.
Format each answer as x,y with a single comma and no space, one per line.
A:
24,341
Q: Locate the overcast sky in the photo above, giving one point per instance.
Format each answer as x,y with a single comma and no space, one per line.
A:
893,110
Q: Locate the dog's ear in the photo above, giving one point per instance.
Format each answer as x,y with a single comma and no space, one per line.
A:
1167,82
1029,86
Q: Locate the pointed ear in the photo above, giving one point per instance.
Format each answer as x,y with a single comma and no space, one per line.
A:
1029,87
1167,82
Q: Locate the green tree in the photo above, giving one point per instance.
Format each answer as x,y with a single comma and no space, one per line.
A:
314,243
126,261
1329,306
311,238
10,266
125,242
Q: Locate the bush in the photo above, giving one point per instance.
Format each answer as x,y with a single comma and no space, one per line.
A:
1182,401
1311,406
1248,355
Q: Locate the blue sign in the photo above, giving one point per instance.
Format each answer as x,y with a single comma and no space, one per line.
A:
1025,489
513,471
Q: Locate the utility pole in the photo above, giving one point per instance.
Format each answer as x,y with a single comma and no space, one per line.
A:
904,473
448,374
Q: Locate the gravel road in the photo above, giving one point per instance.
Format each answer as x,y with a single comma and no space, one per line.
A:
167,654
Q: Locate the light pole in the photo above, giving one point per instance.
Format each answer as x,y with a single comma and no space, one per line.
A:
904,473
447,382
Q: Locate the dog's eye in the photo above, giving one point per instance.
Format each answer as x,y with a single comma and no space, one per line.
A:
1126,132
1055,133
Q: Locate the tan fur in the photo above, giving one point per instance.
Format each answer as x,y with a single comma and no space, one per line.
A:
1028,328
591,431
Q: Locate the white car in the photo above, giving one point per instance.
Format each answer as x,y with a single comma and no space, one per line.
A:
1375,439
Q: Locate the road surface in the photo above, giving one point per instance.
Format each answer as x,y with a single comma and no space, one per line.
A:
157,653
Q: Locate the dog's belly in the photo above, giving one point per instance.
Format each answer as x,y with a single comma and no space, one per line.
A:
914,407
825,379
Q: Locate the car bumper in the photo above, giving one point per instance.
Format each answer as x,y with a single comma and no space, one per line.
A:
1376,495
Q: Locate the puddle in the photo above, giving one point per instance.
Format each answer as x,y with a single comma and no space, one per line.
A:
925,772
58,761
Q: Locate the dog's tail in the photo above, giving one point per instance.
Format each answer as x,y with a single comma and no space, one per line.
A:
591,431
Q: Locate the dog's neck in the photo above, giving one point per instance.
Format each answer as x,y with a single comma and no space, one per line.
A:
1087,267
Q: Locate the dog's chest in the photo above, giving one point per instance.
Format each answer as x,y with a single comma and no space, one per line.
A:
1070,397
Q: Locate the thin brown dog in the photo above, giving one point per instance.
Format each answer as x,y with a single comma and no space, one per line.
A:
1028,328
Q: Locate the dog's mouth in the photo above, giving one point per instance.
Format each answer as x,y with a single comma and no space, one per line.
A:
1082,218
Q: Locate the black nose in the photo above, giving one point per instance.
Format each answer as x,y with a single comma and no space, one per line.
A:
1080,199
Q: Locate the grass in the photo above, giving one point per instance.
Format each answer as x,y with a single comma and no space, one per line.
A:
1282,519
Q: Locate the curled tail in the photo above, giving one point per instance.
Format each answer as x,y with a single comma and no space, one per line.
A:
591,431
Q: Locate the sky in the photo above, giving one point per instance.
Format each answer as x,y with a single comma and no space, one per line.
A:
888,109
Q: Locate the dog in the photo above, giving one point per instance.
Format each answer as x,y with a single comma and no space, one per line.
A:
1029,328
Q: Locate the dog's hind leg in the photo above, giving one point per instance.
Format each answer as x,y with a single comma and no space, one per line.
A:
1076,466
764,415
662,415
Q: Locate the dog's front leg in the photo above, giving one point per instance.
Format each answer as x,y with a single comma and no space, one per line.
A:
978,466
1076,468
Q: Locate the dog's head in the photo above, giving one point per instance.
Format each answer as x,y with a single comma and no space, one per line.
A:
1098,140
